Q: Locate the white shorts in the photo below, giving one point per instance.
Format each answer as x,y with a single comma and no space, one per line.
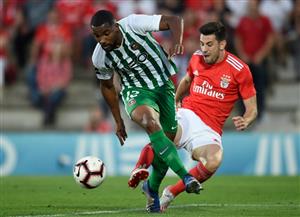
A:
195,132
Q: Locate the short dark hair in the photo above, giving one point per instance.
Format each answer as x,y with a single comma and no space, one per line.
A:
102,17
216,28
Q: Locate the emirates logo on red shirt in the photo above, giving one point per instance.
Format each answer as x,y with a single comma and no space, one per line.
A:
207,89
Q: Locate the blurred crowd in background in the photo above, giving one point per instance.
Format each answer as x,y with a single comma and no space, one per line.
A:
44,41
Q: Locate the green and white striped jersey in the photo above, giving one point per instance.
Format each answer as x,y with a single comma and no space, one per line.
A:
140,60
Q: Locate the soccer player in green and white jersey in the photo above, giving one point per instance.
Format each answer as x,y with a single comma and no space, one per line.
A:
127,47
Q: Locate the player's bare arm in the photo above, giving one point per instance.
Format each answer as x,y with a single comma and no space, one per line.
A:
175,25
111,97
182,89
242,122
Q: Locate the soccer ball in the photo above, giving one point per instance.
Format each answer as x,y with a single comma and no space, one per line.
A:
89,172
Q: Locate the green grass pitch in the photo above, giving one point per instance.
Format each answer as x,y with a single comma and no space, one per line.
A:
229,196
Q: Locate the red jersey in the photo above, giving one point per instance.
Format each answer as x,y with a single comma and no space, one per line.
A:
215,88
72,12
254,33
47,35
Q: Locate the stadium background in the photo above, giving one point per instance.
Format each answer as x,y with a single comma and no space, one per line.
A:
27,31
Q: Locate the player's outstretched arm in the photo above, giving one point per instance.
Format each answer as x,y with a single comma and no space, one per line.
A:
111,97
176,25
242,122
182,89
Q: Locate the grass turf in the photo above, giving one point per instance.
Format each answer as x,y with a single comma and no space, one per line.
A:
229,196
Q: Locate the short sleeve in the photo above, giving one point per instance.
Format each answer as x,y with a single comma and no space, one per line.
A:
246,85
103,72
143,24
190,69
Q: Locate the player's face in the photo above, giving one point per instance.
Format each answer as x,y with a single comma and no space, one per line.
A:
211,48
106,35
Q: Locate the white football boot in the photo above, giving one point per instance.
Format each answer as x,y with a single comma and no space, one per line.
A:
166,198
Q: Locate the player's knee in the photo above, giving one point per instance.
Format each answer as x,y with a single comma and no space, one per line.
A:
147,118
152,125
149,123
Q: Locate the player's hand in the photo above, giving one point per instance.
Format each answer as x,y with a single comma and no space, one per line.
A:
121,132
240,123
177,49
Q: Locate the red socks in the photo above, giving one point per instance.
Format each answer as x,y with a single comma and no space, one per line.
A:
199,172
146,157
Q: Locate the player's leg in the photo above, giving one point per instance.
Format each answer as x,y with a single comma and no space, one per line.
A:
146,157
151,187
169,124
202,143
159,170
163,147
209,158
142,106
140,172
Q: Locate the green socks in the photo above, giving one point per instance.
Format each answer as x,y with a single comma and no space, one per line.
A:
159,170
165,149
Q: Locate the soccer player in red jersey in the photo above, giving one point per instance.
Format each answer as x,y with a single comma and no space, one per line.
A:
214,81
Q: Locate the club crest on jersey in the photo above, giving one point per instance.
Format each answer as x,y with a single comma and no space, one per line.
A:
134,45
225,80
131,102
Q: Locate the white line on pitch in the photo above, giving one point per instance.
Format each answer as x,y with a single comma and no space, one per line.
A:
171,207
